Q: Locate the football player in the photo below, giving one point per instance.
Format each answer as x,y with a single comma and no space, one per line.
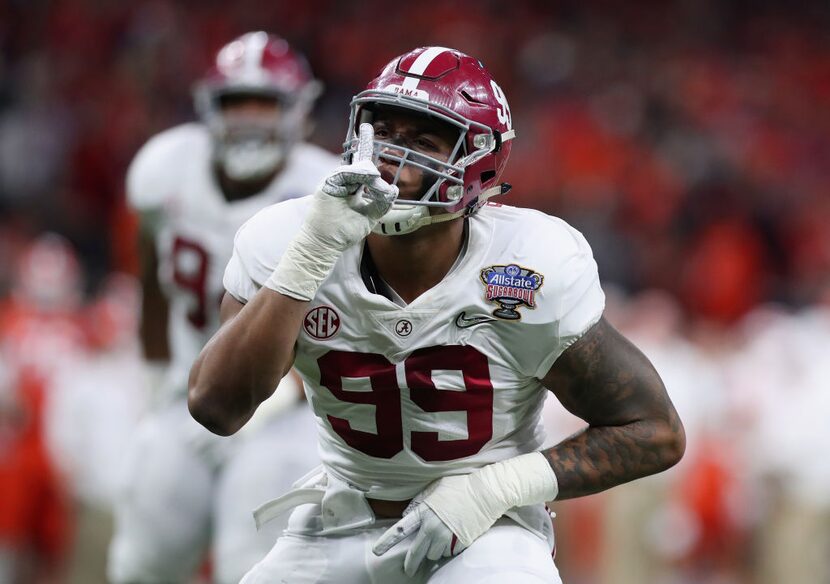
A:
194,185
428,326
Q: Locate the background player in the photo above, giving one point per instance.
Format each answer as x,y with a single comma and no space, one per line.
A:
428,377
194,185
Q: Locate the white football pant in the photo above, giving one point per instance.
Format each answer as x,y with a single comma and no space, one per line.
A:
507,553
184,487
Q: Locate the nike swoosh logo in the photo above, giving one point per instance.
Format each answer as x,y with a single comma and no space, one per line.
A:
461,321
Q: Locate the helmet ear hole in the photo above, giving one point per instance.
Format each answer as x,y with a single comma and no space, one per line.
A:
487,175
469,97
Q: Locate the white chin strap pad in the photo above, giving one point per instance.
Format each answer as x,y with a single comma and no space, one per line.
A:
402,218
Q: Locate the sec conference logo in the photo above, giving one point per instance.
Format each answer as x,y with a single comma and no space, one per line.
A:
321,323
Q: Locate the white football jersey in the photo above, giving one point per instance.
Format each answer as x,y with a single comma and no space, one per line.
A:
172,180
450,382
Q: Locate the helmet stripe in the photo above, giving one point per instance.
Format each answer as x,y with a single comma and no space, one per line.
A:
255,47
420,65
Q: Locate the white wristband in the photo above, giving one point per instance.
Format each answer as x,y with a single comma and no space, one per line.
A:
491,491
304,265
524,480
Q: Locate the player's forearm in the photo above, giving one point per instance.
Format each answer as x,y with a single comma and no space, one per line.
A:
155,344
600,457
243,363
634,430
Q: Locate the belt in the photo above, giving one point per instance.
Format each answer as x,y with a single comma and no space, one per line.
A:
387,509
382,509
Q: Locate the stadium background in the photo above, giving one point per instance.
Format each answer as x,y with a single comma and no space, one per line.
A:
689,140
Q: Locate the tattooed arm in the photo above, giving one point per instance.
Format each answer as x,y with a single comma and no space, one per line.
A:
633,429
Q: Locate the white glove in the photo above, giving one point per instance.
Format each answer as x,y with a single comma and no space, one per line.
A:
466,506
342,214
433,540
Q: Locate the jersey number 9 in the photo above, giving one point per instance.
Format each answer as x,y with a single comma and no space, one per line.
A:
385,395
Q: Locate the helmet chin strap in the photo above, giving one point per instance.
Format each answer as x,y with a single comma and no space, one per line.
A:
402,218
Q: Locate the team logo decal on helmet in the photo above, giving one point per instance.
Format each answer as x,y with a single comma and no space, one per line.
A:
511,286
263,65
456,89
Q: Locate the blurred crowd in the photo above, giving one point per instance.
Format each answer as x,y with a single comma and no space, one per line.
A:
689,141
750,501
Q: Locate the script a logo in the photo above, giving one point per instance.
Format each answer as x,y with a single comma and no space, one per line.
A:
321,323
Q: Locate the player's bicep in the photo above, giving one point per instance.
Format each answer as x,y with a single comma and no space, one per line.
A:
230,308
605,380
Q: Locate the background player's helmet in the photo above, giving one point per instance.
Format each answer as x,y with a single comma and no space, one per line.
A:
264,65
456,89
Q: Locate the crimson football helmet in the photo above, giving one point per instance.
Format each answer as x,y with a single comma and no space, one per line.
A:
263,65
456,89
